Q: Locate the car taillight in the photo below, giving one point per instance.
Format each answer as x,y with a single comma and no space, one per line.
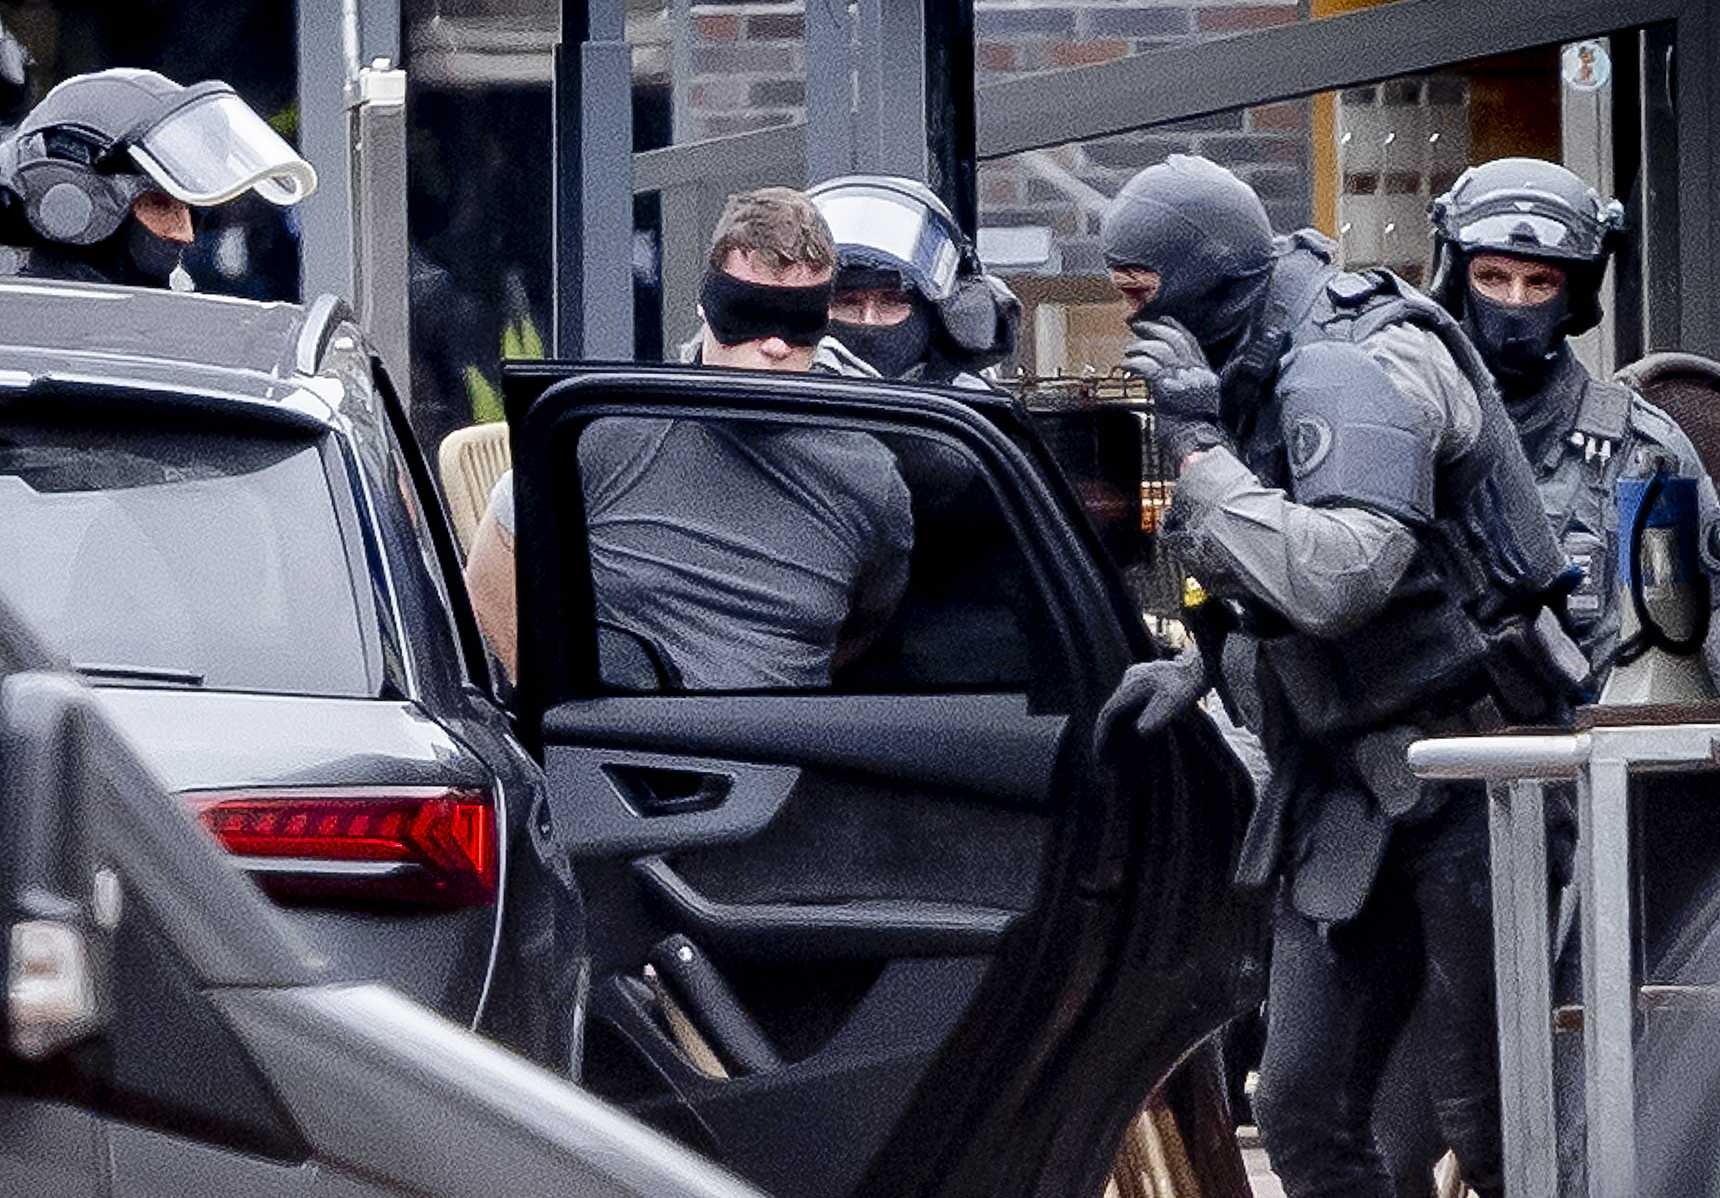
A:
410,844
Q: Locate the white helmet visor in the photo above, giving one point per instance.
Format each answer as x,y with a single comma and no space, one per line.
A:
215,148
882,229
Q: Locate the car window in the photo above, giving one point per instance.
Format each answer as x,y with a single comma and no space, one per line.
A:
747,556
181,556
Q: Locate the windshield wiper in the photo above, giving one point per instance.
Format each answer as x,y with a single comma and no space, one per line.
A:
103,672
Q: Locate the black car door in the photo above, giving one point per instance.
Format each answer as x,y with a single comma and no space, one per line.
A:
813,665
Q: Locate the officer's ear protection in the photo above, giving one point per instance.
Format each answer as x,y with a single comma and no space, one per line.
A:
65,201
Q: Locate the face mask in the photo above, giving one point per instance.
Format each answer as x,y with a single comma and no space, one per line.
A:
738,311
890,349
154,258
1519,343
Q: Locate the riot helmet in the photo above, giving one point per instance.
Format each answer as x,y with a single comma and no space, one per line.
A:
96,143
1205,234
894,236
1534,210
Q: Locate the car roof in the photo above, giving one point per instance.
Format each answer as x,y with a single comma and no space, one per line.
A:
216,346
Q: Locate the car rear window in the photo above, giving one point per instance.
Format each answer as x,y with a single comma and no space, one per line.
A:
208,559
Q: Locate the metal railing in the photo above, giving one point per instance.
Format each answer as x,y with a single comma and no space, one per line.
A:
1601,760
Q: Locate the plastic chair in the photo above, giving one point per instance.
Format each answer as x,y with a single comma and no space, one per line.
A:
470,461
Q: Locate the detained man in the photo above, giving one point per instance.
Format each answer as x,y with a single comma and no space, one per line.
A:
745,556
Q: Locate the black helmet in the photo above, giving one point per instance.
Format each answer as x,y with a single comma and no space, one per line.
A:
98,141
1205,233
1529,209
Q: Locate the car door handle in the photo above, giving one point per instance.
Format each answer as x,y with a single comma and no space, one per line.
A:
863,929
656,790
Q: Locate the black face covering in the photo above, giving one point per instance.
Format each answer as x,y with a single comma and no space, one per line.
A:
738,311
153,258
1519,343
890,349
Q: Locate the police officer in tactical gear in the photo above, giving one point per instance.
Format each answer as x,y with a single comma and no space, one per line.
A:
1352,489
98,181
1520,248
912,299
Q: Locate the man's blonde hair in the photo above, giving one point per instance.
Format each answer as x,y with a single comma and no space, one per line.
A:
777,225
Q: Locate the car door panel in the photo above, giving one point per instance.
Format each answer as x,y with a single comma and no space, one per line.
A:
858,1080
928,909
991,745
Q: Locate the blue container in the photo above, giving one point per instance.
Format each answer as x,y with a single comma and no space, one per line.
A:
1673,524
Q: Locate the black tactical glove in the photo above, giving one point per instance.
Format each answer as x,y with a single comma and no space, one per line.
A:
1182,385
1150,695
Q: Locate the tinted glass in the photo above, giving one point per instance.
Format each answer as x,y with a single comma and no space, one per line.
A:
744,556
198,558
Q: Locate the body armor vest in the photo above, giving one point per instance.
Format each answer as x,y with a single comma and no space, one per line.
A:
1455,630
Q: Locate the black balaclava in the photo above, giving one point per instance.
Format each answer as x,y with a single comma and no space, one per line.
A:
132,257
890,349
1520,343
152,257
1206,234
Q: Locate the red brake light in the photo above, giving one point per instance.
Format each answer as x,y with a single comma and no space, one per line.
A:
422,844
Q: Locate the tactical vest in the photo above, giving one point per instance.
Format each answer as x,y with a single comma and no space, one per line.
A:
1578,478
1453,631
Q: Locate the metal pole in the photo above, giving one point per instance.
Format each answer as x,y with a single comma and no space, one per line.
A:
830,132
381,252
951,125
325,219
1608,990
898,57
1523,971
593,189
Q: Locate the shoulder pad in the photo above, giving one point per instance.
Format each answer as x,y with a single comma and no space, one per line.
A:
1352,438
1606,410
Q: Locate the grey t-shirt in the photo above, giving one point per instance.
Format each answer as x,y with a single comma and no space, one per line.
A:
743,552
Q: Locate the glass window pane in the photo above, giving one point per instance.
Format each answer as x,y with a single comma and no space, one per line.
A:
1013,40
211,559
1360,165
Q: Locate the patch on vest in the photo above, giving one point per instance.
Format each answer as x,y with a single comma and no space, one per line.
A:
1310,442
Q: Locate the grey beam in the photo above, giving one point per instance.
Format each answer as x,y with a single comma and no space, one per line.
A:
328,57
1609,989
829,92
903,89
1180,82
1523,970
592,190
766,155
1698,114
379,29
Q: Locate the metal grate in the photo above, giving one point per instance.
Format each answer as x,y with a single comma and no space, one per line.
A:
1099,427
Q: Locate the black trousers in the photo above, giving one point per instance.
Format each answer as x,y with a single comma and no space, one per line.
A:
1340,996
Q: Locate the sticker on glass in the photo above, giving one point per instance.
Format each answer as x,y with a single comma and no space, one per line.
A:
1588,67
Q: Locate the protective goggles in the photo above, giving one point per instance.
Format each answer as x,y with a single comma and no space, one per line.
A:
887,230
211,147
1538,227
